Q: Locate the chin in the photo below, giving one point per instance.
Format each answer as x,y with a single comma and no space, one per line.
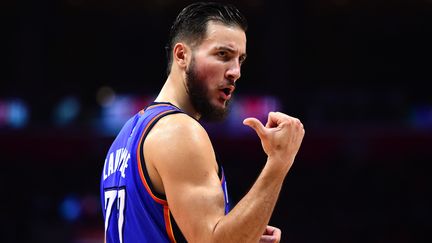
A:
221,105
218,112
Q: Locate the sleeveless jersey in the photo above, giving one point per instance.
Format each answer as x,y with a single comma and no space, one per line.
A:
133,211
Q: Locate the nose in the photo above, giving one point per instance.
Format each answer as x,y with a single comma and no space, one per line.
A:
233,73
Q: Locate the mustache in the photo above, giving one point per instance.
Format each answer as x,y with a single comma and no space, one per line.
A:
229,83
232,83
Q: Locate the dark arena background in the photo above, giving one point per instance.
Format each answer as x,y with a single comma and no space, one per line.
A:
357,73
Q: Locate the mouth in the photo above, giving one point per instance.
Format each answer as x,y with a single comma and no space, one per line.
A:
226,92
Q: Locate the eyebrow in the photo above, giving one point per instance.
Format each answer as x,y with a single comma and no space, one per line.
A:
232,50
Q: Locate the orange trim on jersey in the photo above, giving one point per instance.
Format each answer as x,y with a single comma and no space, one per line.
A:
140,169
168,225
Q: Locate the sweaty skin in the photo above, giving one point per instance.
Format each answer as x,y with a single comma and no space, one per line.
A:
186,171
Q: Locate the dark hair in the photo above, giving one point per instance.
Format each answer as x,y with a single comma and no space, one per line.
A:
191,23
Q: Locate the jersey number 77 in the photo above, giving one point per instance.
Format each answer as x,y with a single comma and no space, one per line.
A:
114,207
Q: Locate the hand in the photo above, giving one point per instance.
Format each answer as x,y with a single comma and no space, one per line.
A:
271,235
280,138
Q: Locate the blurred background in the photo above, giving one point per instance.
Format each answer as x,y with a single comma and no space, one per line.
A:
355,72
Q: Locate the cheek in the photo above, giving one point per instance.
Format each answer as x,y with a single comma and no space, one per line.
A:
210,72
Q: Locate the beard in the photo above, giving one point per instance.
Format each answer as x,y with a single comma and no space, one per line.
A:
199,96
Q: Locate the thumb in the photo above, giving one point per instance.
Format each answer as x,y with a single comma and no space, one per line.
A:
255,124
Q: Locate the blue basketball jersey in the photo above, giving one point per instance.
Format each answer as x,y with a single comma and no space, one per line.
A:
133,211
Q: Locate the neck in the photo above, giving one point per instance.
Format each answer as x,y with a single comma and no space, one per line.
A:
174,91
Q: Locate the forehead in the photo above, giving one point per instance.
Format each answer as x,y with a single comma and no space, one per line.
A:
219,35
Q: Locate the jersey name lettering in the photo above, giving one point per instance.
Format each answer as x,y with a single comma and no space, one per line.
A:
117,161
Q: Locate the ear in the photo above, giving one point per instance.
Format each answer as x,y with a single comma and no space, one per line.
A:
181,54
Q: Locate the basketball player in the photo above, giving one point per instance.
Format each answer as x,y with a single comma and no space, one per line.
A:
161,181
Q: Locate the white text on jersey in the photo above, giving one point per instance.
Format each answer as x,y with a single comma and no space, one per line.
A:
117,161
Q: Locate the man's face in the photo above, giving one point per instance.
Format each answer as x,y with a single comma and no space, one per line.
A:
214,69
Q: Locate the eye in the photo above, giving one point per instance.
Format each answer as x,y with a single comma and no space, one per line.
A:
222,54
242,60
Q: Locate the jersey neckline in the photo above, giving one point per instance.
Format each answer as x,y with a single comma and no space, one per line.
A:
169,104
162,103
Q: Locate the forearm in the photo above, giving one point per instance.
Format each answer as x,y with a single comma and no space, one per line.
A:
248,220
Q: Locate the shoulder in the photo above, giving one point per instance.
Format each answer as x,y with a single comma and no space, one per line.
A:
177,127
179,138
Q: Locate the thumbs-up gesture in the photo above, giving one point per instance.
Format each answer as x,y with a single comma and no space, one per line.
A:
281,137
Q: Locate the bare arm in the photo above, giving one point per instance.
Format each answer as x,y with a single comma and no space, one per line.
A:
188,177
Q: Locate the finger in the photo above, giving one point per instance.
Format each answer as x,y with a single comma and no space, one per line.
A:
256,125
274,119
268,120
273,231
277,233
269,230
267,239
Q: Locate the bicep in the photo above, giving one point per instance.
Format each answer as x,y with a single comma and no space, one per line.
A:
196,207
188,170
